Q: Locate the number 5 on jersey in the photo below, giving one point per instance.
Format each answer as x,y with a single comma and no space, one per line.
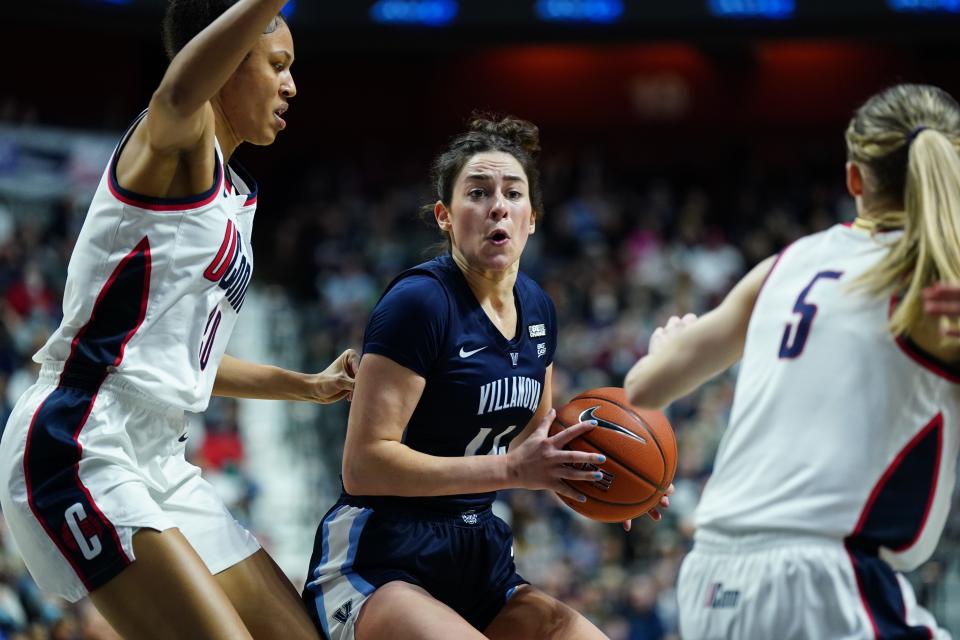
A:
795,335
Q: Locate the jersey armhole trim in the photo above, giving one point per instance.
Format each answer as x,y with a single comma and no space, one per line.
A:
247,178
943,369
161,204
773,268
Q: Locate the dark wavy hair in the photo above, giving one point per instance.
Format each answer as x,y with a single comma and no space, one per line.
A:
184,19
486,132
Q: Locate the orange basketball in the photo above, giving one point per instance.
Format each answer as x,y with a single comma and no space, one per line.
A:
641,453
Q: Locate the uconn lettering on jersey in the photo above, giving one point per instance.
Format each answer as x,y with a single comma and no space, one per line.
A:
231,269
507,393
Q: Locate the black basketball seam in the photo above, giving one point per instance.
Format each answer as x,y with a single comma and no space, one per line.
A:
616,459
656,489
612,504
646,426
619,461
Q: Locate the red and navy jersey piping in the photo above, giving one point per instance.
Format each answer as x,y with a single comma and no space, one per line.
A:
244,175
926,360
161,204
56,494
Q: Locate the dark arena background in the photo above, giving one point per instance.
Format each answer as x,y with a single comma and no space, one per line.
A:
684,141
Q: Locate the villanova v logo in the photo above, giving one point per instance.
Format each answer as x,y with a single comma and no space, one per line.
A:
343,613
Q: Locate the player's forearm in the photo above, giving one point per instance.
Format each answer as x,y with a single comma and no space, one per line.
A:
241,379
391,468
656,381
692,358
205,64
700,351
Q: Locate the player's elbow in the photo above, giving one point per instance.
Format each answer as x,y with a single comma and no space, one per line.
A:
353,478
360,476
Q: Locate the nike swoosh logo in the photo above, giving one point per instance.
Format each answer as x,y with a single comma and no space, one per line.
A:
588,415
467,354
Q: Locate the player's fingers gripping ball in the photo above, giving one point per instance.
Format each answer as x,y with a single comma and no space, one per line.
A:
641,452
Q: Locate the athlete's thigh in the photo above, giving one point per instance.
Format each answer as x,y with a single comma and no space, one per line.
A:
530,613
402,611
266,601
167,592
196,508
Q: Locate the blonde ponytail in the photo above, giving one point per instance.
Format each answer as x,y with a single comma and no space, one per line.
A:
916,126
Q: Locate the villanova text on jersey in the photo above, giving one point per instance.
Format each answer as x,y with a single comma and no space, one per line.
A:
482,389
507,393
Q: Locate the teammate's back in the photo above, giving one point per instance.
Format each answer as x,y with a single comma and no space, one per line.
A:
832,415
838,466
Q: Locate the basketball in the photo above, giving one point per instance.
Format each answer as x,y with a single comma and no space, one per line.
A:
641,453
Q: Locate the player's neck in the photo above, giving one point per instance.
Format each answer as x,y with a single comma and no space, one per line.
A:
876,214
490,287
226,136
887,221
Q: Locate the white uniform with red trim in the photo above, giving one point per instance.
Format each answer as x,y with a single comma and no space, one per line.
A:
837,468
200,267
95,450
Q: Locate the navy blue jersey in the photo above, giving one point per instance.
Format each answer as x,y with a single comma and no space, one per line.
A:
481,389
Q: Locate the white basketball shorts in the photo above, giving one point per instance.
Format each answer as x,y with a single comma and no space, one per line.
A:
84,464
791,588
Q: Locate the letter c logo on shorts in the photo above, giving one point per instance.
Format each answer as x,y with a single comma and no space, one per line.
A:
75,516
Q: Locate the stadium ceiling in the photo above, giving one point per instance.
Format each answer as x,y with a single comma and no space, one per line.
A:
426,23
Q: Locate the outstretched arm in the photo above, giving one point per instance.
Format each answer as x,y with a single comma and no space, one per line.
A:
689,351
241,379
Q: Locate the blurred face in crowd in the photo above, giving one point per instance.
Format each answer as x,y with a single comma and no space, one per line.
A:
256,96
490,215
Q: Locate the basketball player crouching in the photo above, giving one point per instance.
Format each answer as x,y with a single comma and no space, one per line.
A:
453,402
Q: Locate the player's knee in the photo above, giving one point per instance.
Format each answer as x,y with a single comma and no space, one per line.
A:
556,620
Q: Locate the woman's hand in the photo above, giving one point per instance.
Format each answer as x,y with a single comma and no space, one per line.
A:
654,513
541,462
943,300
663,335
336,381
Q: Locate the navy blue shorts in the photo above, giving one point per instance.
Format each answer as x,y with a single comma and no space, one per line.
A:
463,559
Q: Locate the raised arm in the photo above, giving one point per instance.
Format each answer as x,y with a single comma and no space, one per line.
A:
689,352
180,112
376,462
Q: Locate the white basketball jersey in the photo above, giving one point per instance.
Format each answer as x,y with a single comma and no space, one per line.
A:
154,285
837,429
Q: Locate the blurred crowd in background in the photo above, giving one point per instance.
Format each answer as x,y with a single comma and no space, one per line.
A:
618,251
